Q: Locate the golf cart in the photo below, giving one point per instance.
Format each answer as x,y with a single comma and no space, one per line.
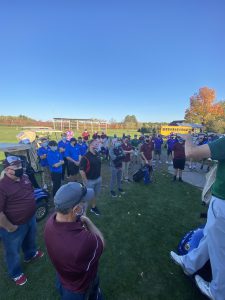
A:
28,156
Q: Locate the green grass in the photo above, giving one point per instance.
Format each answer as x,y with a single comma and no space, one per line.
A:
140,229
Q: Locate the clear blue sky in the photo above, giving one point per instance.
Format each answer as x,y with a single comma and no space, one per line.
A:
106,59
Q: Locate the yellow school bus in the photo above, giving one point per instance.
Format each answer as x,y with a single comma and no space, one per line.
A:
167,130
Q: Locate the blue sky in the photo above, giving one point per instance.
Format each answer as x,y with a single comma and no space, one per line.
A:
106,59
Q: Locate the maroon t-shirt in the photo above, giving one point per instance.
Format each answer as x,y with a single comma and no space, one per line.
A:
74,252
179,152
147,150
127,147
85,135
17,199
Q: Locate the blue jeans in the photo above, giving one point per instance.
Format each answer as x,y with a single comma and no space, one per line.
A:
94,292
23,237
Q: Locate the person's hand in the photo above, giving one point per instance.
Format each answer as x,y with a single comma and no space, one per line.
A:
146,161
12,228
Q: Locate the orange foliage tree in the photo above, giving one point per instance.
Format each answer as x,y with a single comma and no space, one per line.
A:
203,108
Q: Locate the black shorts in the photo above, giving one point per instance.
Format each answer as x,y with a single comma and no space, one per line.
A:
157,151
179,163
73,169
169,152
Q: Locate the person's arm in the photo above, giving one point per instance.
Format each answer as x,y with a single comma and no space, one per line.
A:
173,154
92,228
196,152
111,154
83,167
70,159
143,156
6,224
58,164
61,149
84,177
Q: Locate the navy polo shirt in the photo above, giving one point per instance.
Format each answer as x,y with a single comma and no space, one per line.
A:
41,151
53,158
73,152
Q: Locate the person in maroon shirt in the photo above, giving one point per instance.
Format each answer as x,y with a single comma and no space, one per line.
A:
178,155
147,151
127,149
17,218
85,135
74,244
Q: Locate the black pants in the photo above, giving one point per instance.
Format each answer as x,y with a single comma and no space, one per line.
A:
56,180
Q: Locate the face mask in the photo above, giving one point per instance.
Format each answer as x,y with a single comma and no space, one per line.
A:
117,145
45,144
53,148
147,141
19,172
64,138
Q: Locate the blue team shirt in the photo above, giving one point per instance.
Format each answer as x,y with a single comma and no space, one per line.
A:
171,143
158,143
83,148
63,145
73,152
41,151
53,158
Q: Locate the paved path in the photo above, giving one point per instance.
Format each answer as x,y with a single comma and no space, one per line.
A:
194,177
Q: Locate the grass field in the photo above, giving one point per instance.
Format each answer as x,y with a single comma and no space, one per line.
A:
140,229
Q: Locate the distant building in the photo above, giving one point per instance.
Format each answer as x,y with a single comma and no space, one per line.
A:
80,124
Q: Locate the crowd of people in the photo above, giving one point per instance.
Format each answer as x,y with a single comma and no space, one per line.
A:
76,258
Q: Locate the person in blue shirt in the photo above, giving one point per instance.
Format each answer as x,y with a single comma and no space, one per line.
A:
42,155
62,148
73,155
55,162
172,140
158,142
83,146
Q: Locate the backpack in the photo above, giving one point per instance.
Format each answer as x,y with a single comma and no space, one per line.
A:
139,175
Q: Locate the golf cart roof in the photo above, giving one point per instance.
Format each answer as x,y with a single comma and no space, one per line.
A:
10,147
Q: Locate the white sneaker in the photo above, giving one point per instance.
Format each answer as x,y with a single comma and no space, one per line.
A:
178,259
204,287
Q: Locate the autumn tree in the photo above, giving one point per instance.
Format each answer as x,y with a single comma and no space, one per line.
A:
203,108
